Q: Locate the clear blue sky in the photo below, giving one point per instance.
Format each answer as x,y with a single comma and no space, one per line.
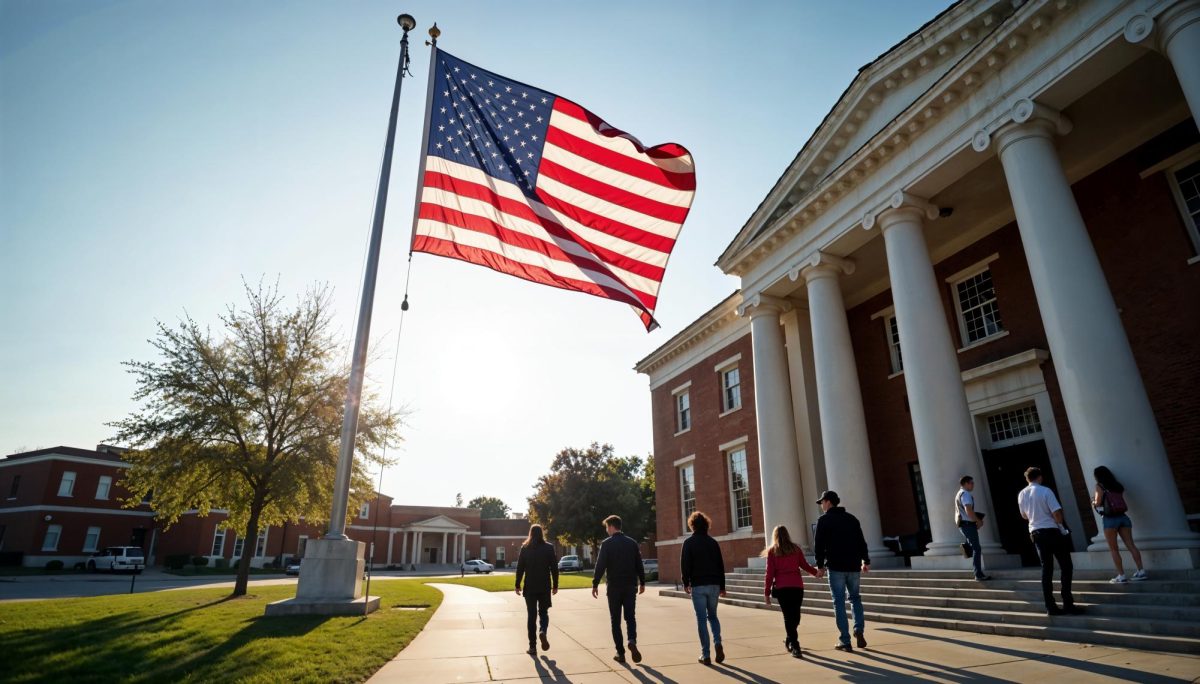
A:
152,153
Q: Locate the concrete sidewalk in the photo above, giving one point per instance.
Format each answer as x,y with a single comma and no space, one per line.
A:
477,636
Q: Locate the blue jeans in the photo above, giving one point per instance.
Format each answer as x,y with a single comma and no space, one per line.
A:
704,601
970,533
839,583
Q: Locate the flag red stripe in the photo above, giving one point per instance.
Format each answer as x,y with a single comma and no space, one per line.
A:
601,223
497,262
619,162
609,193
667,151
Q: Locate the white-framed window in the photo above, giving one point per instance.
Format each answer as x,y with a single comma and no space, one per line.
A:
739,488
50,541
731,389
893,338
104,487
14,487
499,553
300,544
66,486
218,545
91,541
1015,425
978,313
683,412
239,546
365,511
687,490
260,547
483,552
1185,185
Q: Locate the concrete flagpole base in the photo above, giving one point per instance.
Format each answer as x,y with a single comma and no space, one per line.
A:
331,578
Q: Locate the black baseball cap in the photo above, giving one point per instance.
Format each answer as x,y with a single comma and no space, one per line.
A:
830,496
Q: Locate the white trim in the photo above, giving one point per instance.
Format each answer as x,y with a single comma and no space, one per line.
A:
57,539
895,375
1180,158
727,456
108,494
721,375
889,311
727,362
75,509
973,269
683,432
983,341
7,462
503,536
85,538
62,482
744,533
734,443
686,459
1194,260
1185,214
732,410
681,388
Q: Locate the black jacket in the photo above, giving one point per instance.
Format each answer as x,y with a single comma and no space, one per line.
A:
621,558
538,566
840,544
701,562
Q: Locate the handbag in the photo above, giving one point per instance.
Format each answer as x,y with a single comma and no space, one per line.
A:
967,551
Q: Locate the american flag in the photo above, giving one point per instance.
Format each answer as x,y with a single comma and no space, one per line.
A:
531,184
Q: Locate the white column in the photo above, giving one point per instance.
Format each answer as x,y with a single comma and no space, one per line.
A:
404,546
417,544
778,466
1176,33
1107,407
391,540
445,545
945,435
839,399
797,330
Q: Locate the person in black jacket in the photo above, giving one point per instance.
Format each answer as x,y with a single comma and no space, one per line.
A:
841,547
621,559
703,570
539,568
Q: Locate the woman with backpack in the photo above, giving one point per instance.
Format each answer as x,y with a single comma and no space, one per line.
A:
1109,501
784,582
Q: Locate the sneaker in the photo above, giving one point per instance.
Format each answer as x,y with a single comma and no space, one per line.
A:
1119,579
620,658
532,650
860,639
633,651
704,660
844,647
720,653
1139,576
545,642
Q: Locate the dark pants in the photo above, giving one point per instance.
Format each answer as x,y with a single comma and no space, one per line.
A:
1052,544
622,598
790,599
970,533
536,606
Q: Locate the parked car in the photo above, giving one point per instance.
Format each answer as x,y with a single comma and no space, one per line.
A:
568,563
478,566
116,558
650,565
292,567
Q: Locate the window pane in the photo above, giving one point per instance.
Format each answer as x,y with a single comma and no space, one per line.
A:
894,345
261,547
1010,425
50,542
739,487
218,547
687,489
92,541
977,302
67,486
103,487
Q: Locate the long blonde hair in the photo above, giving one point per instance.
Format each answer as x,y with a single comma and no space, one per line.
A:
781,543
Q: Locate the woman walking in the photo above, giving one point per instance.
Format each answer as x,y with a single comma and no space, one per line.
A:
786,584
538,566
1109,501
703,570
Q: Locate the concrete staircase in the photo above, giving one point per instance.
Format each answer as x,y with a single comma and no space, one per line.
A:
1161,614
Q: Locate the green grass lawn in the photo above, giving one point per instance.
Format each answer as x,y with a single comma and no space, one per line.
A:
507,582
201,635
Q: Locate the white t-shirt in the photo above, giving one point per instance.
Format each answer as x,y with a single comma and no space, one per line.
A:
961,502
1038,504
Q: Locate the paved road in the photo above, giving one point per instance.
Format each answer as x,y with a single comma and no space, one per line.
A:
480,637
34,587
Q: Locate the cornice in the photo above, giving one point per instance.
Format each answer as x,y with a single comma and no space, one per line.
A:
811,191
711,322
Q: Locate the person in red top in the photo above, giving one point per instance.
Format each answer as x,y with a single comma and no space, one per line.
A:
785,560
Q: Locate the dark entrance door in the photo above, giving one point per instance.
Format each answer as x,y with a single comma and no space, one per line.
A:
138,538
433,554
1006,478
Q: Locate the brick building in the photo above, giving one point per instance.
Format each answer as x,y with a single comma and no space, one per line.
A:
64,503
985,258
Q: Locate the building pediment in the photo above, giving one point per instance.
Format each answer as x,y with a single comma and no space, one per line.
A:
438,522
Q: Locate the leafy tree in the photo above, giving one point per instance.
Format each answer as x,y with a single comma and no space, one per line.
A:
584,486
489,507
249,420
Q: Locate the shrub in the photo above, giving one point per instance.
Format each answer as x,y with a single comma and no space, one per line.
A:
221,563
54,565
199,561
176,561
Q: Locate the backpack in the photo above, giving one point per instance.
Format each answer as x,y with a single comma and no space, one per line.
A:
1113,503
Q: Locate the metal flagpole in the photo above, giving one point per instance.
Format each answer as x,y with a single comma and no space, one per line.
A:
341,486
434,32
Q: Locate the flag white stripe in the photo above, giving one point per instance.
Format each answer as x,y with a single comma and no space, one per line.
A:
616,178
582,129
605,209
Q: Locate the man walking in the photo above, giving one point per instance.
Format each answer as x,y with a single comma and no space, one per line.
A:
1041,508
841,547
621,559
703,571
969,522
538,566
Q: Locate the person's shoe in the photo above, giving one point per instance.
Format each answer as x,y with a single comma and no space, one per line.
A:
796,652
1054,610
720,653
983,578
844,647
704,660
1119,579
532,649
620,658
1139,576
545,642
1073,610
633,651
860,640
